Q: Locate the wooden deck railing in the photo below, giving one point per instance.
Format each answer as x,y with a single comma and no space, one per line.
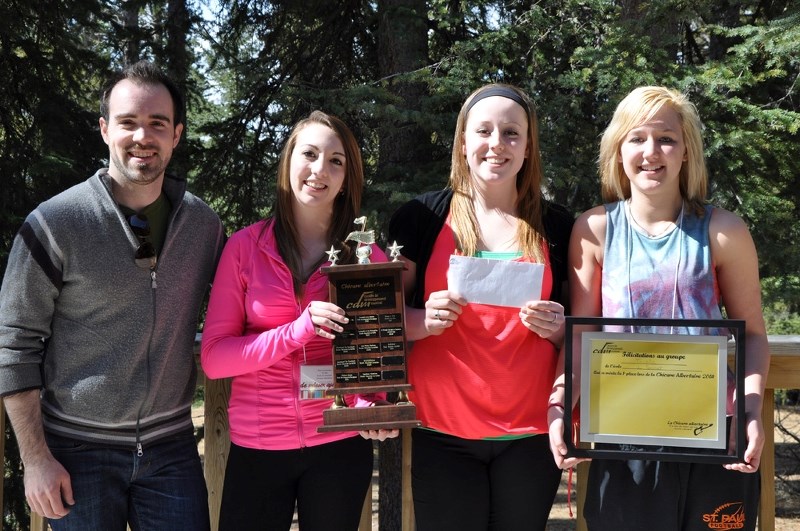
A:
784,373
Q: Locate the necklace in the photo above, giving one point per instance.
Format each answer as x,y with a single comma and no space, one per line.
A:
647,233
631,307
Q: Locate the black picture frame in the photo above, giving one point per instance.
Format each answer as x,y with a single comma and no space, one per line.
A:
593,450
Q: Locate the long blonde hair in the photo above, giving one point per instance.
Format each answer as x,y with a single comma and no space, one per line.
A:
530,230
637,108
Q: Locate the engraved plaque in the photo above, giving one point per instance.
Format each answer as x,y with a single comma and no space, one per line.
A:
370,355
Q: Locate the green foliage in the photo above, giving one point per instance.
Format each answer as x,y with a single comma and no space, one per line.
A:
258,67
397,72
787,397
46,127
16,513
781,295
752,141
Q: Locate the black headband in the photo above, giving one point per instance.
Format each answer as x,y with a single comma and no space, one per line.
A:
505,92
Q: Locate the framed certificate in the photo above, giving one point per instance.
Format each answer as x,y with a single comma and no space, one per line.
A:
655,389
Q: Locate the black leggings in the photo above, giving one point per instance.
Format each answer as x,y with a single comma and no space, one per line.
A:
328,482
463,484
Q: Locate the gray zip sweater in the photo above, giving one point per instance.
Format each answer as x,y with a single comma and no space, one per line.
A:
109,343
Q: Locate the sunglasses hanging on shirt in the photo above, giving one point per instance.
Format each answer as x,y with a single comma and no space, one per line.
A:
145,256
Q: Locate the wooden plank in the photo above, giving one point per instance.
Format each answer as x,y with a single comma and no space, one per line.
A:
38,523
2,447
217,442
784,371
407,522
766,507
784,345
366,512
583,480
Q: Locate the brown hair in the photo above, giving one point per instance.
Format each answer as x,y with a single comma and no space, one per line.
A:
145,73
346,205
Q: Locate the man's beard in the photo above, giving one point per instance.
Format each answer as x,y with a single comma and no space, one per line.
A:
140,173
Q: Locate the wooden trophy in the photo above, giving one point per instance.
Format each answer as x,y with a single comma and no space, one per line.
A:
369,355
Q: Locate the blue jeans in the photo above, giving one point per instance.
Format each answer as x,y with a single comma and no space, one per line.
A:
164,489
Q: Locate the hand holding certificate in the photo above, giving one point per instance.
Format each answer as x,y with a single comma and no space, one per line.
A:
497,282
647,395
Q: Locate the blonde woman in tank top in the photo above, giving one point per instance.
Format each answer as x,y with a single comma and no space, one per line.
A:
657,250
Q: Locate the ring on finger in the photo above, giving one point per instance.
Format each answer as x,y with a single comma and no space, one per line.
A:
437,315
555,318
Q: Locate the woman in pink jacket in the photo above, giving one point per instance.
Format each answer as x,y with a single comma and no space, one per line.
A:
269,327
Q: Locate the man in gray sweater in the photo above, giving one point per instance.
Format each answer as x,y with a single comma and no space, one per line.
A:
98,315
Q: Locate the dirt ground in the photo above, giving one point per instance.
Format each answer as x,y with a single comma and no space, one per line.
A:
787,478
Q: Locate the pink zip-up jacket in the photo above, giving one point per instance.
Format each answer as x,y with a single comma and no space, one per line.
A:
258,333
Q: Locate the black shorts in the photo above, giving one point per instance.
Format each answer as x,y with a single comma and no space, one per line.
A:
667,496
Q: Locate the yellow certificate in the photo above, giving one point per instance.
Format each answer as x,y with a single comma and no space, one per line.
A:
653,389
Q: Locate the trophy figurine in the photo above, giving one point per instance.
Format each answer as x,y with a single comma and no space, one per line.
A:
369,355
364,238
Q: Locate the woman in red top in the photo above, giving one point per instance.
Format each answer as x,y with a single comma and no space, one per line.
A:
482,374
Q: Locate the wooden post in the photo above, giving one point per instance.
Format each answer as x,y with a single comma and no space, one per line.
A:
582,471
217,442
2,447
38,523
366,512
784,373
766,508
408,523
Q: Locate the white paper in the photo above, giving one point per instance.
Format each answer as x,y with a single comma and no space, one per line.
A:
498,282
